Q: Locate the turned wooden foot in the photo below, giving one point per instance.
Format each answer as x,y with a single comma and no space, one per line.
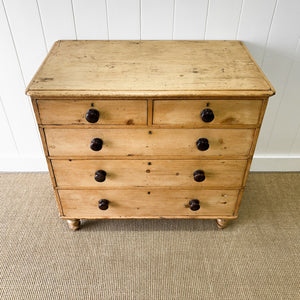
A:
222,223
74,224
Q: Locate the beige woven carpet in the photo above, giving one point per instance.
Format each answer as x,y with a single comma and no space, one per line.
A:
256,257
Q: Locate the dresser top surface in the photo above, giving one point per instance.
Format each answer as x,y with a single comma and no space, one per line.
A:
149,68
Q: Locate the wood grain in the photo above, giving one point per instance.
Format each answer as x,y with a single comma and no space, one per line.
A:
138,173
127,94
150,95
51,172
139,66
234,112
147,203
125,112
138,142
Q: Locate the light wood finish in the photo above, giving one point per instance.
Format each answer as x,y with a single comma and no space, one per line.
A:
147,203
117,95
222,223
49,165
139,66
95,126
74,224
150,95
188,112
150,112
139,142
138,173
127,112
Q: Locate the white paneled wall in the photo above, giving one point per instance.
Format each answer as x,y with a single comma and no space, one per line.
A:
270,28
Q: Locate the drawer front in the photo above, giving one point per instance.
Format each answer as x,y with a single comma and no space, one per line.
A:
147,203
111,112
188,112
132,142
139,173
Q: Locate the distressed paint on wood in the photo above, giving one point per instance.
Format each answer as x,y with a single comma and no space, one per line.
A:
147,203
188,112
126,112
138,142
162,173
140,66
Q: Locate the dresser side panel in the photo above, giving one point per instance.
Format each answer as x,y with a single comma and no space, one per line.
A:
49,165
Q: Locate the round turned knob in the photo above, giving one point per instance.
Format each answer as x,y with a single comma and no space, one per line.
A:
92,115
207,115
194,204
96,144
202,144
100,175
103,204
199,176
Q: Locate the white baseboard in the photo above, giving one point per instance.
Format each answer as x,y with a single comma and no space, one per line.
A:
259,164
282,163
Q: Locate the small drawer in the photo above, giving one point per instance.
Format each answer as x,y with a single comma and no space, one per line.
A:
203,113
110,112
147,203
138,142
143,173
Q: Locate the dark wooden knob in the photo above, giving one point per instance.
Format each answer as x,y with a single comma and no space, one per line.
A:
92,115
103,204
194,204
100,175
202,144
96,144
199,176
207,115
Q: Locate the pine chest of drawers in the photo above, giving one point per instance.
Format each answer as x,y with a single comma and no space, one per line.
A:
149,129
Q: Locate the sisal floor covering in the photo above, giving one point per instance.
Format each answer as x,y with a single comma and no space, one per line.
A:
256,257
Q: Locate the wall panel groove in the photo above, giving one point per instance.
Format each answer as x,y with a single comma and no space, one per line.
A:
281,137
267,39
173,25
254,25
239,21
223,19
277,64
13,42
8,143
106,12
42,27
58,20
206,19
72,7
90,19
15,104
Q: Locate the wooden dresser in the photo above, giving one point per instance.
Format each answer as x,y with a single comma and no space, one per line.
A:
149,129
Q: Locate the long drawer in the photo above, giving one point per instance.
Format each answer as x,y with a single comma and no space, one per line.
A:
147,203
222,112
111,112
133,142
139,173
